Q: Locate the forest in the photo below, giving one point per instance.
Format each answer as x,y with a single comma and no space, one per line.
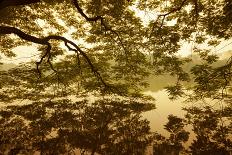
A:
75,77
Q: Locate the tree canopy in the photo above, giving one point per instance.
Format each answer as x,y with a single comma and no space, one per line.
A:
106,50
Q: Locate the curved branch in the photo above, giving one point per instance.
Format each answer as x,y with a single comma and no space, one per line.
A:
174,9
22,35
41,59
93,19
76,4
107,28
45,41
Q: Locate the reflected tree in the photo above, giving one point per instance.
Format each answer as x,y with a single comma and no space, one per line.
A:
174,143
212,128
105,49
62,126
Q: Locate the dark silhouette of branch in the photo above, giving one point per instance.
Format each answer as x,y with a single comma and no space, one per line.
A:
174,9
22,35
78,57
8,3
94,19
76,4
45,41
168,13
49,58
42,58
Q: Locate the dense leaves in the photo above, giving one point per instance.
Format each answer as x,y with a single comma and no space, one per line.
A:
56,127
104,51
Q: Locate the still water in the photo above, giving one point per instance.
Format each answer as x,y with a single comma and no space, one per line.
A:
164,107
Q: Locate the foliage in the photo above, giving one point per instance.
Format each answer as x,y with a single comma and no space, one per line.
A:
212,127
104,48
178,136
105,126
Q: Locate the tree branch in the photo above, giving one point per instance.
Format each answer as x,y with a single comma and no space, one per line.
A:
41,59
76,4
174,9
45,41
168,13
107,28
8,3
22,35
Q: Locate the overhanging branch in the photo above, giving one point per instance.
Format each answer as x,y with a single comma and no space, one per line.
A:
101,19
45,41
79,9
8,3
173,10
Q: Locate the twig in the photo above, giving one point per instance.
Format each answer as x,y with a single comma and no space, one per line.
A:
45,41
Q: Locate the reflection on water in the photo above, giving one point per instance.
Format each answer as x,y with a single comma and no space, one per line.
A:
105,126
114,127
164,107
208,121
